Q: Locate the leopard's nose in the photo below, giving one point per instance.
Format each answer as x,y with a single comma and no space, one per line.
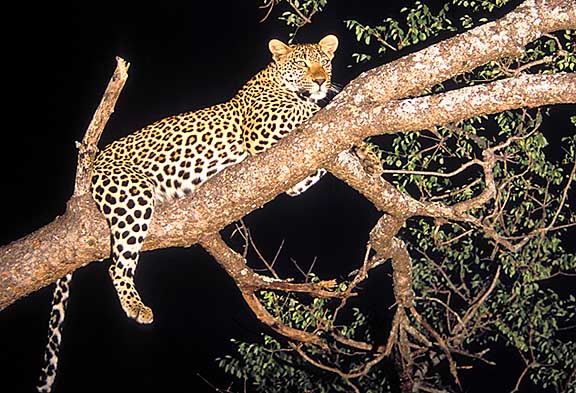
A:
319,81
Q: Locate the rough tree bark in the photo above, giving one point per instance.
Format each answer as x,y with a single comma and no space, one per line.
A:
371,104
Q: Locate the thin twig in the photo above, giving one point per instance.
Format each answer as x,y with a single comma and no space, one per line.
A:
321,366
305,19
429,173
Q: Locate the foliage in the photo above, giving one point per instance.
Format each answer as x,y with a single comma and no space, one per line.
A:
481,283
296,14
531,202
420,24
266,363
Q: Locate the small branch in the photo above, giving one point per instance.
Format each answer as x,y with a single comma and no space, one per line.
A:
360,276
269,6
544,60
443,304
488,163
563,200
249,283
305,19
265,317
477,356
245,278
324,367
353,343
449,282
571,379
472,310
361,371
89,147
430,173
247,236
527,368
455,238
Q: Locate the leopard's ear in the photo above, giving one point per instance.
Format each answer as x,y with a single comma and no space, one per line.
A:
279,49
329,44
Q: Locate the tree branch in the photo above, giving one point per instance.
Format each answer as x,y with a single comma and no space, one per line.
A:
89,147
249,283
505,37
247,279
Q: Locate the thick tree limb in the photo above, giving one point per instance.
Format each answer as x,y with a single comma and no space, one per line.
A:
81,235
505,37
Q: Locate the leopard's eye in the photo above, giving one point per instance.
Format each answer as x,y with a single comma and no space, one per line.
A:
301,63
324,62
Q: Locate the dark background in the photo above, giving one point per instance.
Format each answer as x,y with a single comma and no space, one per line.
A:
57,64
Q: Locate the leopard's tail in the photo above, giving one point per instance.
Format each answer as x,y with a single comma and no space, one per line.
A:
55,326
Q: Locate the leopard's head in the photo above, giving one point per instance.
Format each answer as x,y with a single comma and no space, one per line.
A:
305,68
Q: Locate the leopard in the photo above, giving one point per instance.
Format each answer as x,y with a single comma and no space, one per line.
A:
170,158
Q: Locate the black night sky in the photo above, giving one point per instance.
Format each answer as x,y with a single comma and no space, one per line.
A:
57,63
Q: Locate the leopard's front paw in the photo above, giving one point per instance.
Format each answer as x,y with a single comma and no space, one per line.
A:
145,315
139,312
